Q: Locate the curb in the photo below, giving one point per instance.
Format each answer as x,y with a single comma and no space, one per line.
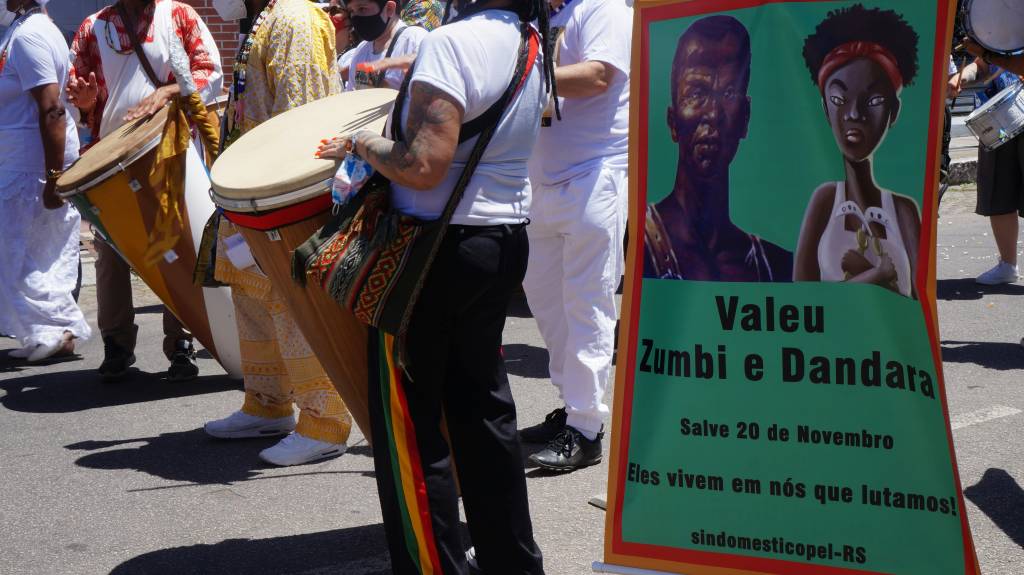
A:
963,171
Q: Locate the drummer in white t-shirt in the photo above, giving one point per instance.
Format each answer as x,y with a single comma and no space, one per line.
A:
385,37
578,173
453,359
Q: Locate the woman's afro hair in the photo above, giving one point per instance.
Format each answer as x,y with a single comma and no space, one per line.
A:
860,24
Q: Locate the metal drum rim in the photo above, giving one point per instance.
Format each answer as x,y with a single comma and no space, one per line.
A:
262,205
112,170
1006,94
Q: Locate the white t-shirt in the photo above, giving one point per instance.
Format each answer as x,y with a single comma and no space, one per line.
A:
37,55
593,130
473,61
343,61
407,43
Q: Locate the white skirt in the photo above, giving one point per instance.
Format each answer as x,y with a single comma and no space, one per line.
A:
38,264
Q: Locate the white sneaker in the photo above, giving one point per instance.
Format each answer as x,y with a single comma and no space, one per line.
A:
241,425
1002,273
297,449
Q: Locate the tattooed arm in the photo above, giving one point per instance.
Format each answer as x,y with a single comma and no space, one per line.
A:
422,160
52,126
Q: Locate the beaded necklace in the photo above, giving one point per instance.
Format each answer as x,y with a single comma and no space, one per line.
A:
10,35
121,13
235,103
110,39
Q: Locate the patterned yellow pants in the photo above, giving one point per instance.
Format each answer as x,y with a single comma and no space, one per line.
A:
278,366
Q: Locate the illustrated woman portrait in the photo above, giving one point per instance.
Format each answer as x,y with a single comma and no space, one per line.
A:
854,230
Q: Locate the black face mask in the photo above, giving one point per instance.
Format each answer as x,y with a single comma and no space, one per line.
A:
369,28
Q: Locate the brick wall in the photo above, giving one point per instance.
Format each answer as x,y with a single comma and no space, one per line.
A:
225,34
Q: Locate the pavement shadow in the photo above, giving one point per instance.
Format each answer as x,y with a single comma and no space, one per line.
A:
963,289
1000,497
79,390
991,354
352,551
10,364
526,360
187,456
154,308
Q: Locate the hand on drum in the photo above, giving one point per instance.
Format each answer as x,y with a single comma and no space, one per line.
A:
340,146
334,148
152,103
51,200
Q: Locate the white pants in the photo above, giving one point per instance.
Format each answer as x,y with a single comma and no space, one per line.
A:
576,231
38,265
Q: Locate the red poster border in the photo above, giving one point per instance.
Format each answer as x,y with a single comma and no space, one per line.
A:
620,552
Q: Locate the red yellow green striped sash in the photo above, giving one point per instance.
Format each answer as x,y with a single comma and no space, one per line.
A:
406,467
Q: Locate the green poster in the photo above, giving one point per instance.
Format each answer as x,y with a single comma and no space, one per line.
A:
781,406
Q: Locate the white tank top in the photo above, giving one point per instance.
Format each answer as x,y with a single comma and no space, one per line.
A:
837,240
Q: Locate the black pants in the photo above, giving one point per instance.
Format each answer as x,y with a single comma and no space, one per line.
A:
454,370
1001,179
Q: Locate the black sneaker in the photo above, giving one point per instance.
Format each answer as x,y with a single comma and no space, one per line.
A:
183,362
569,450
116,361
546,430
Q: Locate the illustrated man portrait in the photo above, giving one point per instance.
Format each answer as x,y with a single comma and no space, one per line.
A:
689,234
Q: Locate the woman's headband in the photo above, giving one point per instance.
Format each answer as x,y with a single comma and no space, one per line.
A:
845,53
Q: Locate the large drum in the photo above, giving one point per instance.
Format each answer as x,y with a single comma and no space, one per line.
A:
274,190
995,24
110,186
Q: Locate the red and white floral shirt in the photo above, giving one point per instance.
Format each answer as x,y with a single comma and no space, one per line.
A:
102,46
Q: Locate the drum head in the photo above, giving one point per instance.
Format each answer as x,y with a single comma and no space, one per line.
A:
126,144
996,24
277,157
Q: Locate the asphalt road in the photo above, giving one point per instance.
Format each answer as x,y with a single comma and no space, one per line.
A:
121,479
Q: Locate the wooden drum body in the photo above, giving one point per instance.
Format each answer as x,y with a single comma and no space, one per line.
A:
110,187
278,195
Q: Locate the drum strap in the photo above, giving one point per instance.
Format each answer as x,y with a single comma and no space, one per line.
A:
490,117
129,27
378,77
